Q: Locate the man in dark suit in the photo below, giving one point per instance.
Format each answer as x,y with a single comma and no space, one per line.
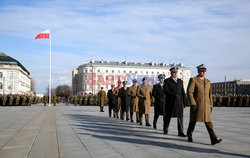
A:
111,102
123,94
160,99
175,101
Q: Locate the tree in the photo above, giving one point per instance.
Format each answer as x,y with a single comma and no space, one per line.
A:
63,90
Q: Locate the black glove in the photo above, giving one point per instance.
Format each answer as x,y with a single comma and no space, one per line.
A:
194,107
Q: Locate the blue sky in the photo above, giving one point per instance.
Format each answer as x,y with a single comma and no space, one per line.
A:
216,33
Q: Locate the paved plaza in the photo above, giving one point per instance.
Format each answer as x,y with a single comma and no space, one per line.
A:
83,131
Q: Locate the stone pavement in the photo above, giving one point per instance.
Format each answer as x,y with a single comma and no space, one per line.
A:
82,131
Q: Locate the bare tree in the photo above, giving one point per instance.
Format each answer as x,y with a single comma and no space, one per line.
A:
63,90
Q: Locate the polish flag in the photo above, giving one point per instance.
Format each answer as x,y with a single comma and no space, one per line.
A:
44,34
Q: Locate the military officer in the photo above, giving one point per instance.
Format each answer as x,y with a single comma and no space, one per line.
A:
45,99
175,101
111,102
117,99
133,101
123,94
160,99
144,92
201,103
101,97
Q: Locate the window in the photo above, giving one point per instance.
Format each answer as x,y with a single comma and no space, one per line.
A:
11,75
107,86
1,85
1,75
130,71
113,71
146,72
157,73
98,70
118,71
124,71
153,72
107,71
136,72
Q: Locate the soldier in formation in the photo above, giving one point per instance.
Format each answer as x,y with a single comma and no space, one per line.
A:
144,92
160,99
101,97
117,99
111,101
123,94
201,101
175,101
133,101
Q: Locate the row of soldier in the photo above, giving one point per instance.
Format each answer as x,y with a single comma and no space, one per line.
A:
232,101
17,99
169,100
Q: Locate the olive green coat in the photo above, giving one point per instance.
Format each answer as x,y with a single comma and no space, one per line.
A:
133,99
101,97
200,94
117,99
144,92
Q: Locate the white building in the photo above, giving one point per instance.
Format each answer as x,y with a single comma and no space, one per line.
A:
91,76
14,78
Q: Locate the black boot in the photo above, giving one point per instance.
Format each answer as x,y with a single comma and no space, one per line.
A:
216,141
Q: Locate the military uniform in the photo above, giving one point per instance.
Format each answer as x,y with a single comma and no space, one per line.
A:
175,101
133,103
144,92
111,102
123,94
117,100
101,97
201,101
45,99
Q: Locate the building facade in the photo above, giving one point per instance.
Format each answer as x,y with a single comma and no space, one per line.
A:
14,78
237,87
91,76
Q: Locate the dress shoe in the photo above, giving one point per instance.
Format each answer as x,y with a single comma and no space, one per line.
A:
140,123
132,120
127,119
147,124
190,139
181,135
154,126
216,141
165,131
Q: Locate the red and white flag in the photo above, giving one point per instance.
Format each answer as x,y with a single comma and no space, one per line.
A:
44,34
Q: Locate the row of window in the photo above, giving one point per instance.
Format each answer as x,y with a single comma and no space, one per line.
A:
223,85
11,75
222,90
124,71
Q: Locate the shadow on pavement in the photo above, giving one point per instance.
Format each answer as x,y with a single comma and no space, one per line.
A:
118,130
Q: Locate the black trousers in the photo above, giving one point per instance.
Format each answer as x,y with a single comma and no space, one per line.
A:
156,116
110,111
209,126
167,120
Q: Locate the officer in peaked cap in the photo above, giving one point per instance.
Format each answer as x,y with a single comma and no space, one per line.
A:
144,92
133,101
117,105
201,103
201,67
160,99
123,94
111,100
175,101
173,69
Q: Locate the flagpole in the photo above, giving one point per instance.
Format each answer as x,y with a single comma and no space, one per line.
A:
50,69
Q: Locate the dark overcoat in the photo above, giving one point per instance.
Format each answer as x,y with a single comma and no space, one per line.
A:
123,94
160,98
175,97
111,99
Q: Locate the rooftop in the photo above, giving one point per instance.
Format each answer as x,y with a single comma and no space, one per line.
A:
7,60
126,63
